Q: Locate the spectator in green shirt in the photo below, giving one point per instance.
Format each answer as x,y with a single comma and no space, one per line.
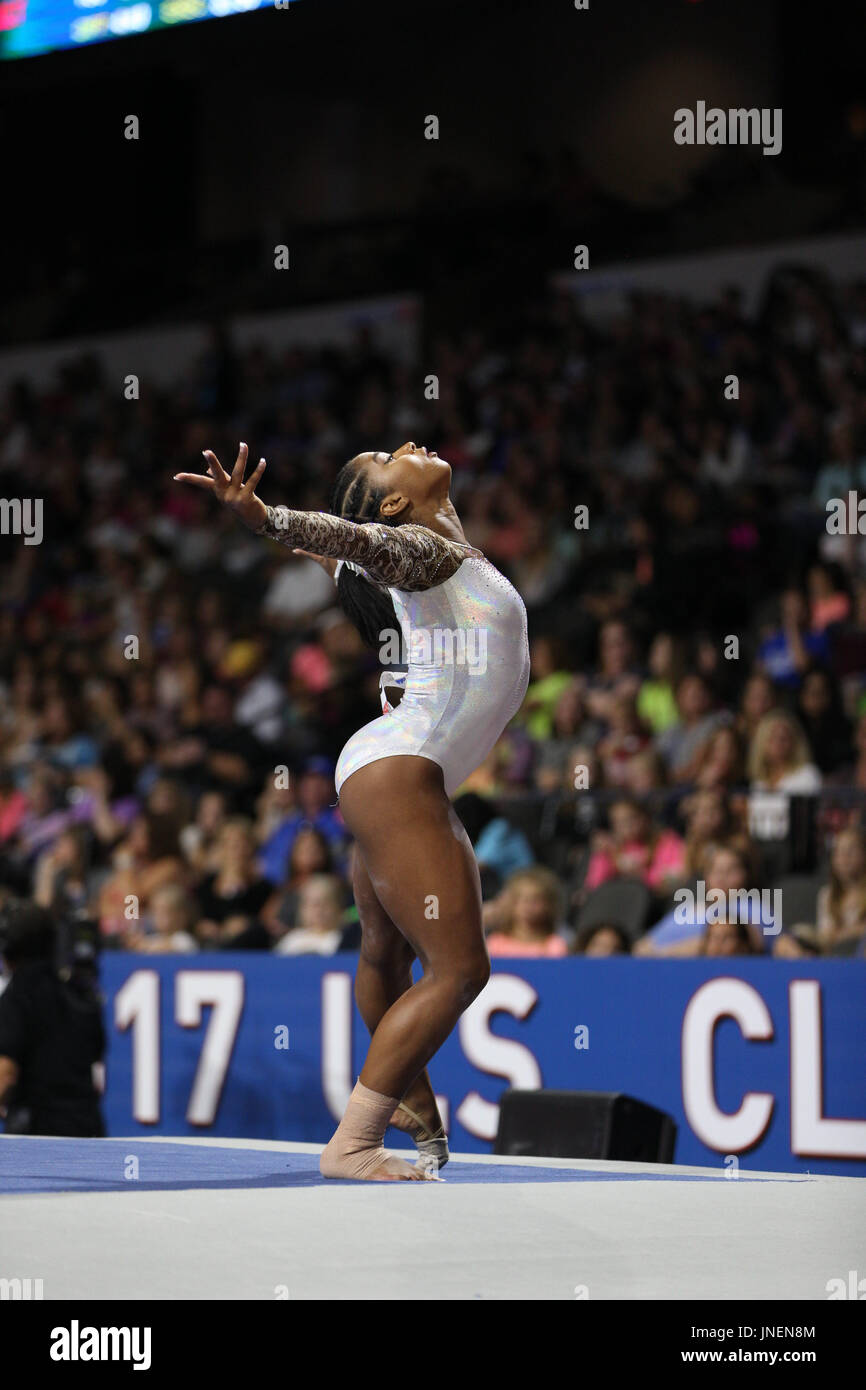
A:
547,683
657,701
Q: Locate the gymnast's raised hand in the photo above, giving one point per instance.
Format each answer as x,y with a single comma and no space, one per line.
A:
231,490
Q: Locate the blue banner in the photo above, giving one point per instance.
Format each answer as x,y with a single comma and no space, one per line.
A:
760,1063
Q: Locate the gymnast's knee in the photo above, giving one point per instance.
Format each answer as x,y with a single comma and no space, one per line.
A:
385,951
467,977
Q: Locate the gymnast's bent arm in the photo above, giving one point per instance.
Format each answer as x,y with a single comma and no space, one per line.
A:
409,557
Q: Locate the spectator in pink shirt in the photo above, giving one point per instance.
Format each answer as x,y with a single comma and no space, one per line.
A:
13,805
829,601
634,848
525,916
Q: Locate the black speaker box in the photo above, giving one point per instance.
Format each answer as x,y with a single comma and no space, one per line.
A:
583,1124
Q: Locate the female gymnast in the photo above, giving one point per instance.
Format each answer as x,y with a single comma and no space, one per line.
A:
394,543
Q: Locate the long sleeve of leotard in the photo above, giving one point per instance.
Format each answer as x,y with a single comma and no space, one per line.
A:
409,557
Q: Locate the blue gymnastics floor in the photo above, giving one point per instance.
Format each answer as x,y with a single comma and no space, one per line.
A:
103,1165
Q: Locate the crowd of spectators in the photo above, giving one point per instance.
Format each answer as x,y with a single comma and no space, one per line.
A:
174,691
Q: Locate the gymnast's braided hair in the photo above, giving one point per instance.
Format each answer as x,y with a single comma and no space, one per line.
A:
365,604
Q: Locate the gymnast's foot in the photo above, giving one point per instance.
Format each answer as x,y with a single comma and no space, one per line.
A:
356,1151
366,1165
432,1144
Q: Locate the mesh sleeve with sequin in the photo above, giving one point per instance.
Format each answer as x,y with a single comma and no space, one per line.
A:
408,557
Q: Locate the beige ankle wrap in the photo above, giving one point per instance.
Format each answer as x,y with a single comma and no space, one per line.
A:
357,1149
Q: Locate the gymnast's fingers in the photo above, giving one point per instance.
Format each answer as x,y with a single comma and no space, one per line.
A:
217,472
239,469
255,477
197,479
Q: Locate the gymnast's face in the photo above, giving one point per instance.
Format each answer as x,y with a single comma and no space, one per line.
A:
410,476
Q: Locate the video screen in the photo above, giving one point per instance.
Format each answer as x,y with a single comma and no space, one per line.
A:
30,27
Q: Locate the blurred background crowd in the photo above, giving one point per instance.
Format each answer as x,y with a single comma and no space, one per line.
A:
174,691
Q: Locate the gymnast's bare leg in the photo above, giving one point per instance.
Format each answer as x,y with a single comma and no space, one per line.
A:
423,872
384,973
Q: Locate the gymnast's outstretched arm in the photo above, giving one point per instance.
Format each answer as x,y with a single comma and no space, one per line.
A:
409,557
403,557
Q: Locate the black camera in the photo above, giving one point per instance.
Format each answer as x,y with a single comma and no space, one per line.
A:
30,932
51,1020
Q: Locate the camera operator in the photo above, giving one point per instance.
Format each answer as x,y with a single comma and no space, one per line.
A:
51,1032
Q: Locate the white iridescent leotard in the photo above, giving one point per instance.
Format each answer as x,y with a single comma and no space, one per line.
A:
464,630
